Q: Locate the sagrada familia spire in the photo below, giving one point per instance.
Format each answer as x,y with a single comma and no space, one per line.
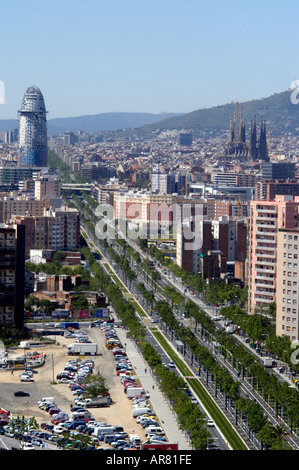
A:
256,148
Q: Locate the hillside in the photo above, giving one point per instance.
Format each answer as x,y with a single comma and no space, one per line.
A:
278,111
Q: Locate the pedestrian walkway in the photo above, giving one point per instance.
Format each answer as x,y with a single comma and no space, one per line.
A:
158,400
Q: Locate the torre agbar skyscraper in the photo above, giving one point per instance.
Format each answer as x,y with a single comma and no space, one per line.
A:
33,148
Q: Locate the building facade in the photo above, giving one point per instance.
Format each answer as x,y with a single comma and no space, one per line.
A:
12,274
266,218
33,146
287,306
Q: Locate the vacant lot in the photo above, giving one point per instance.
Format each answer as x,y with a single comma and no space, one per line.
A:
119,413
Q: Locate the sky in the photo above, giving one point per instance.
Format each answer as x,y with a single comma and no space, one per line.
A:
152,56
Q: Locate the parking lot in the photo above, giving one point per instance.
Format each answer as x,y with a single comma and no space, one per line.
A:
45,385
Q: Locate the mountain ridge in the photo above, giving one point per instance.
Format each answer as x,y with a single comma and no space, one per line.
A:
278,110
94,122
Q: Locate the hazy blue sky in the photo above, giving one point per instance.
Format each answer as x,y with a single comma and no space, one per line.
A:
96,56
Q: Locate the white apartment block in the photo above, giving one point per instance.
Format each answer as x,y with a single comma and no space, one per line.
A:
287,292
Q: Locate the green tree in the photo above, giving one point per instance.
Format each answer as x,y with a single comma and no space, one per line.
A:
95,385
45,305
79,302
30,302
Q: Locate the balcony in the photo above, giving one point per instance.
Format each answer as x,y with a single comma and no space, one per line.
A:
263,235
263,300
268,210
264,278
266,255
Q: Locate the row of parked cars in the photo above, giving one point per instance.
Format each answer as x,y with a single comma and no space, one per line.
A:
75,372
142,411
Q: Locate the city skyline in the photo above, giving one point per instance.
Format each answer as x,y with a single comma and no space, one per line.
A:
140,57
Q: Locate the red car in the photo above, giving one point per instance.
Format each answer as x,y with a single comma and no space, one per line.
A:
119,352
53,411
58,420
123,371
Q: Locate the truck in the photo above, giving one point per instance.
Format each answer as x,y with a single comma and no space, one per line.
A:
97,401
133,392
82,349
70,324
24,345
47,400
81,415
142,411
230,328
135,439
98,430
268,362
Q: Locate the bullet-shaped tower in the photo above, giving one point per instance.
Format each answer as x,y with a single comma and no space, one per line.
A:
33,147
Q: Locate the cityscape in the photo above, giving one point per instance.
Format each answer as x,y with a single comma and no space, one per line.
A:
149,269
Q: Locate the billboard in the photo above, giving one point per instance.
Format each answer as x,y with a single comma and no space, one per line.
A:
102,313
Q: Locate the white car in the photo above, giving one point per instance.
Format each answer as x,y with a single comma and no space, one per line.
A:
27,372
26,378
58,429
27,446
210,423
171,364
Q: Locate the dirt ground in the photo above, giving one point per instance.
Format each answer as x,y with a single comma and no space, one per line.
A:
119,413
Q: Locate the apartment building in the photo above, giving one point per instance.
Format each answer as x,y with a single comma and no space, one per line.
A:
268,189
221,241
235,179
231,208
229,237
148,212
163,183
12,274
47,187
58,229
287,281
266,218
14,174
38,231
10,206
68,219
188,255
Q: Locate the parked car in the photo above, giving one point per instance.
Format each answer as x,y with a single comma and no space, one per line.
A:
58,429
27,446
118,443
33,371
36,442
53,411
20,393
26,378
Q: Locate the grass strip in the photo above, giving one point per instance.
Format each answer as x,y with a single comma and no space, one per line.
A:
209,404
